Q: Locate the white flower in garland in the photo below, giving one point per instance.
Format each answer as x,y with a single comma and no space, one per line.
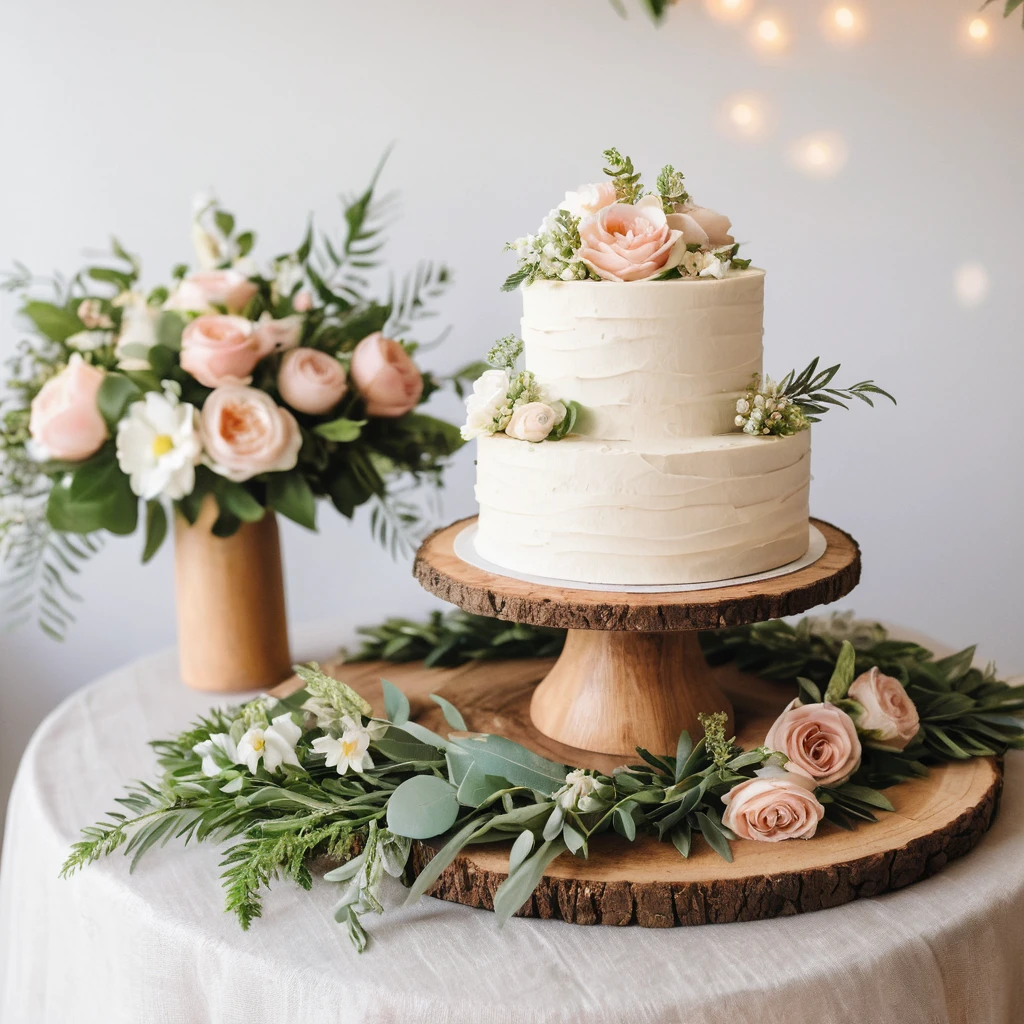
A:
351,749
158,447
274,744
581,792
219,741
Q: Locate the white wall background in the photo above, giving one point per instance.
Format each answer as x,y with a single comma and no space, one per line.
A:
116,111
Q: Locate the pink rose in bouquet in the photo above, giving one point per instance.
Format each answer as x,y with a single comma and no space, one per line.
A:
630,243
890,718
245,433
311,381
385,376
820,741
772,808
64,421
218,349
228,288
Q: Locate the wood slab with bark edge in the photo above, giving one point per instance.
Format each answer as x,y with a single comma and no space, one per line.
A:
647,883
631,673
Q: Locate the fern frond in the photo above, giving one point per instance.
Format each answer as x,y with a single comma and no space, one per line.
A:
410,302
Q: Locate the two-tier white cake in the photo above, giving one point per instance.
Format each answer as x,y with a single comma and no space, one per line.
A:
655,485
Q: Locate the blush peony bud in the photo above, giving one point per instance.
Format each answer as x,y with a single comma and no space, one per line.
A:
385,376
65,422
311,381
890,718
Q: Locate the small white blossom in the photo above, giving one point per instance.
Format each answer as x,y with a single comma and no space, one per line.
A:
89,341
218,741
274,744
351,749
581,792
485,406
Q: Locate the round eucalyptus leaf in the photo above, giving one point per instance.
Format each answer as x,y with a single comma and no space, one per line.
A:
422,807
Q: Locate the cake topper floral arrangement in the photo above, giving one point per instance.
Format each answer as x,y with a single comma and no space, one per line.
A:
257,385
506,401
618,231
320,773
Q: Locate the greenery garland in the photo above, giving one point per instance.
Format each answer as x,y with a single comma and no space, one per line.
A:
317,774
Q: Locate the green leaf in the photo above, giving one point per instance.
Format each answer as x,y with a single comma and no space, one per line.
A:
451,713
121,509
809,692
342,429
169,327
683,750
52,321
504,759
224,221
396,704
290,494
681,838
237,500
68,516
521,849
120,278
422,807
865,795
520,884
94,479
398,745
956,666
843,674
156,529
714,835
624,823
245,242
474,787
116,393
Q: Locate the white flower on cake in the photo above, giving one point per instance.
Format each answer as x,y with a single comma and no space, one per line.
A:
351,749
273,744
158,447
534,421
221,742
485,407
702,264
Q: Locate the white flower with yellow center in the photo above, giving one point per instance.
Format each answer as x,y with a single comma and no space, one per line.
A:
351,749
158,447
274,744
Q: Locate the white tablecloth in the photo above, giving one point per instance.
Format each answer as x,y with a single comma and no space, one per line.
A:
155,947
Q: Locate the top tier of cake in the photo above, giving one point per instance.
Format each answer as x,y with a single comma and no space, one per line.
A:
648,360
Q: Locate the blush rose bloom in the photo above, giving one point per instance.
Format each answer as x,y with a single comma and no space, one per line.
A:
228,288
65,422
630,243
820,741
701,226
218,349
769,809
890,719
385,376
534,421
278,335
245,433
311,381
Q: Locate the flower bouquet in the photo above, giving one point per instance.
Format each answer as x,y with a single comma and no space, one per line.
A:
238,390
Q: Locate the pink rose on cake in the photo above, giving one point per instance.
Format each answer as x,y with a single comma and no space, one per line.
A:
774,806
889,719
65,422
630,243
245,433
385,376
701,226
311,381
218,349
820,741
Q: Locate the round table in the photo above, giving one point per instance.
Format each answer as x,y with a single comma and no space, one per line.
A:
156,947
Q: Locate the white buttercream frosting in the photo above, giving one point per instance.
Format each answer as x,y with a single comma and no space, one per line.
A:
649,361
682,512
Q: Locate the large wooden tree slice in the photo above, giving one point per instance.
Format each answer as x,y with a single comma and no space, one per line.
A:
647,883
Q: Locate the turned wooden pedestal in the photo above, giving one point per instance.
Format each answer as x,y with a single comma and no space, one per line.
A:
631,673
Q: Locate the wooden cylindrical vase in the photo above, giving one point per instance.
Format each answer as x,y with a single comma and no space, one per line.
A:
232,626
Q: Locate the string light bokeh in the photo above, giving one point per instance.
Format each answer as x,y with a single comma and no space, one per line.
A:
769,34
819,155
971,285
729,10
745,116
843,24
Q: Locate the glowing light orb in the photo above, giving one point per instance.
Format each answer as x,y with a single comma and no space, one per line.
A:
971,285
821,155
978,29
744,116
728,10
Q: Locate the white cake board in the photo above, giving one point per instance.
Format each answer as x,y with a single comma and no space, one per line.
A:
465,548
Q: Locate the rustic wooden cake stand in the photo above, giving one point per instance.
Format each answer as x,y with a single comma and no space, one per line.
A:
632,673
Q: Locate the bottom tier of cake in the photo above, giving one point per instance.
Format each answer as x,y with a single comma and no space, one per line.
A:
602,512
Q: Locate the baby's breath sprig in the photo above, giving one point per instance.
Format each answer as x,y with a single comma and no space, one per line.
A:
784,407
505,352
628,186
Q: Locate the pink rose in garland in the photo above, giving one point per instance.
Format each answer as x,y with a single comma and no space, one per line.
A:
385,376
820,741
311,381
65,422
778,805
630,243
890,718
220,350
245,433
